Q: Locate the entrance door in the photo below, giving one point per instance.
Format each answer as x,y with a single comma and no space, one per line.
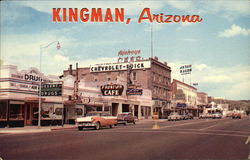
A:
28,116
31,113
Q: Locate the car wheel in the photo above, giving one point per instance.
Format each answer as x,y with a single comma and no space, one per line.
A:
97,127
110,126
80,128
124,124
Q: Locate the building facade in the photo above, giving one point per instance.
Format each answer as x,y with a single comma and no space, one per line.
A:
19,100
184,98
149,76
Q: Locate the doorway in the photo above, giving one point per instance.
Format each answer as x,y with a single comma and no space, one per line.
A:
31,113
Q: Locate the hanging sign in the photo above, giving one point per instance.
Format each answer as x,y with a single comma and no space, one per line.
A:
51,90
134,91
112,90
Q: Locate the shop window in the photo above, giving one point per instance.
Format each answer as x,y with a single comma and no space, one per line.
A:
35,112
3,110
98,108
78,111
134,76
106,108
16,111
58,111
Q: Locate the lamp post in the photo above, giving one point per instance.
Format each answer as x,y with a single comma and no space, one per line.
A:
40,84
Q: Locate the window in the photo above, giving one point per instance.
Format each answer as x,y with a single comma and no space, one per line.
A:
98,108
78,111
58,111
106,108
16,111
3,110
134,76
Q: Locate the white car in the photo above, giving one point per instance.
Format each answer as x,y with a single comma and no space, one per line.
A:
96,120
174,116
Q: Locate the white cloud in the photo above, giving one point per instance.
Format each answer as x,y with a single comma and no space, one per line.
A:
234,31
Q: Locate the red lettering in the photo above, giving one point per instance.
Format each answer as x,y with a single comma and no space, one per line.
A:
55,15
185,18
168,18
73,14
84,17
147,11
108,16
156,17
119,14
177,18
64,14
195,18
96,15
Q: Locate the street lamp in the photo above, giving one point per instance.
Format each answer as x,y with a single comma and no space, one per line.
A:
40,84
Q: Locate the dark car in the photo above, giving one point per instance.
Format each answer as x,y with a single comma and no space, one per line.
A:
126,117
187,116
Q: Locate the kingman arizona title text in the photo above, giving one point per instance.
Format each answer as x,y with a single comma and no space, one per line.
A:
100,15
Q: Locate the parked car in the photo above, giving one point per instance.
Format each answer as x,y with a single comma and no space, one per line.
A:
216,115
236,115
96,120
205,115
188,116
125,117
174,116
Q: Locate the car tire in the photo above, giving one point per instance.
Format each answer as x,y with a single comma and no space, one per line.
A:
110,126
80,128
97,127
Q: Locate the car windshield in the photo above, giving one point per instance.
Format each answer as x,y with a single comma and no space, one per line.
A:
173,113
92,114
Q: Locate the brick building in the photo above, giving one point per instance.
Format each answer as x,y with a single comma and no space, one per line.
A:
149,74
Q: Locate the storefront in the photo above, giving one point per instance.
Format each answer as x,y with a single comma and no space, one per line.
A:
19,100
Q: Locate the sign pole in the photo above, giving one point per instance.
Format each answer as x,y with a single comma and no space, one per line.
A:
40,89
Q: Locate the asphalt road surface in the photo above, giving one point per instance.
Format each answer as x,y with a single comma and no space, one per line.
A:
190,139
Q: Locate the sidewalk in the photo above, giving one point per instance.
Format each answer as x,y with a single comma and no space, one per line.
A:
34,129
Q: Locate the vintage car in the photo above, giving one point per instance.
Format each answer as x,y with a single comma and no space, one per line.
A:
96,120
217,116
188,116
125,117
205,115
174,116
236,115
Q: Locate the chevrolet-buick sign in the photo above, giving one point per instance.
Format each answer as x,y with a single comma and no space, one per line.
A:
119,66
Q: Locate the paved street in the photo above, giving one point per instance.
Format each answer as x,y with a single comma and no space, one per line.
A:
189,139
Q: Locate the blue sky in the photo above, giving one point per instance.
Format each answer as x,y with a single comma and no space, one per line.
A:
218,47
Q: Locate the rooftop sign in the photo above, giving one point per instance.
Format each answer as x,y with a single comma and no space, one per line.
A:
119,66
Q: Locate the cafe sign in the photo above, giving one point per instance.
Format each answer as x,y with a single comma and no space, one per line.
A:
112,90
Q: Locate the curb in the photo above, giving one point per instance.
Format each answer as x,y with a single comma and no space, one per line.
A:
54,129
25,131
